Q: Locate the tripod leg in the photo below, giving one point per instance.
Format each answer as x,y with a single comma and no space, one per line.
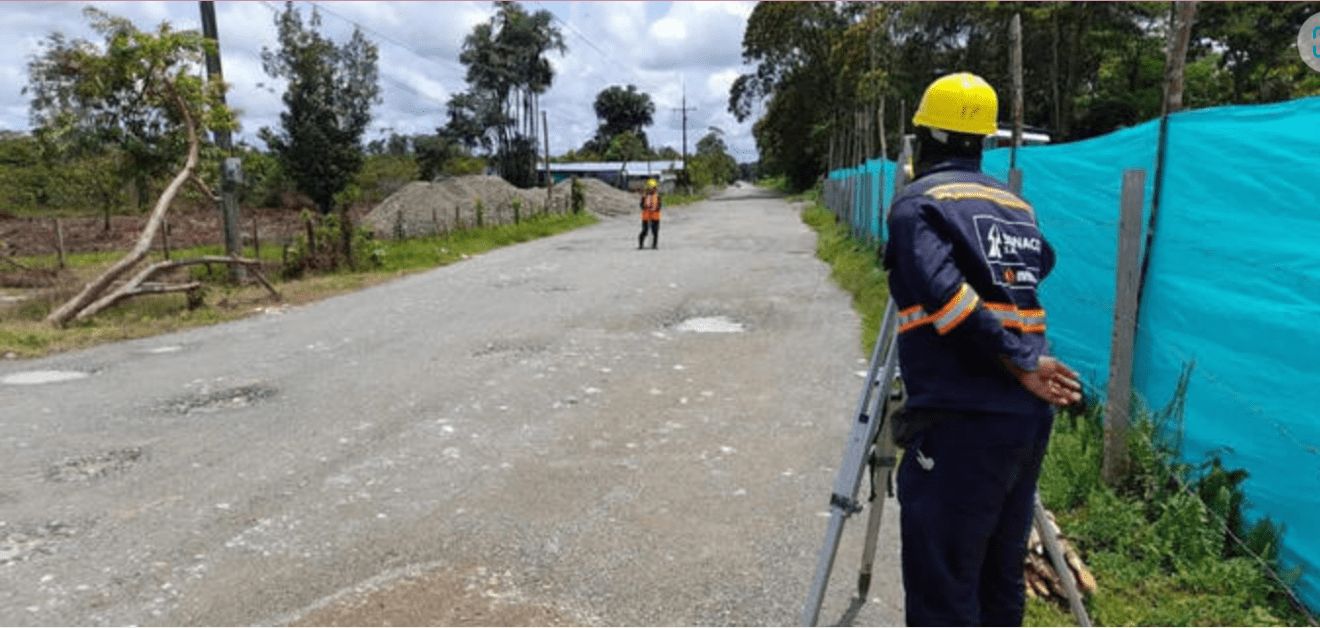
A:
843,501
889,399
883,462
826,562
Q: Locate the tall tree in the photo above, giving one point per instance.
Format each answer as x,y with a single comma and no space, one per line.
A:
712,164
790,45
1094,66
150,78
625,147
622,109
331,89
1259,49
507,71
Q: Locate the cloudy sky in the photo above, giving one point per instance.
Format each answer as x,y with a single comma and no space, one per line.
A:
664,48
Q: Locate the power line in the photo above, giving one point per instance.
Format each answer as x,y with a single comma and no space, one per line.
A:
385,37
605,56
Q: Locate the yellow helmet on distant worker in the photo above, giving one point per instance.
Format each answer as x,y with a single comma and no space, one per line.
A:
650,183
962,103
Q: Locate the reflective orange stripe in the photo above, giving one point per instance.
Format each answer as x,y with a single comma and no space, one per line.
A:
1028,321
954,312
962,305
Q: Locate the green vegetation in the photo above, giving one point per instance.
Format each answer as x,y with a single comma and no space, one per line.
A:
331,89
853,268
23,332
1156,544
1089,68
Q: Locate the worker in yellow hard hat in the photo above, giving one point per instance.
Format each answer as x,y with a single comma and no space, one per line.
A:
650,205
965,260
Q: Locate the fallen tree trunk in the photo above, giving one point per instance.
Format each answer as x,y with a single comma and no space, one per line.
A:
89,294
139,284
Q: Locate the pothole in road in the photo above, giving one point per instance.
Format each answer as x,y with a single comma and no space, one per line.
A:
28,378
95,466
514,348
19,545
711,325
240,397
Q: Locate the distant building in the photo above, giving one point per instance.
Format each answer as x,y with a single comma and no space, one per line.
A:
629,175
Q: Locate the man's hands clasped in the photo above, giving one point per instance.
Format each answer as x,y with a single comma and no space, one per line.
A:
1052,381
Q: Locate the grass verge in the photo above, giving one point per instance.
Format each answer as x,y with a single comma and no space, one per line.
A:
1157,544
24,333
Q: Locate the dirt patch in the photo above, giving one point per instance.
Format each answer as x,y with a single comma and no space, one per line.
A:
423,208
38,236
240,397
93,467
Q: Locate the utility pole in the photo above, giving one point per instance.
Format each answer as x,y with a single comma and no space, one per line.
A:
549,182
687,177
231,171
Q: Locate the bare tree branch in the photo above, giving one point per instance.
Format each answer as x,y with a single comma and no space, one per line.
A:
203,188
141,284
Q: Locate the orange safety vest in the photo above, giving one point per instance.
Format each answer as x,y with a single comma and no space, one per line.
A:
651,207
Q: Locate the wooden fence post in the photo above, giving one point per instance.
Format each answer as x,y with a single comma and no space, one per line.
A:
1119,403
59,241
1016,69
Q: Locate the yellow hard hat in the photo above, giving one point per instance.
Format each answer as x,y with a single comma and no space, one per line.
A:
962,102
650,183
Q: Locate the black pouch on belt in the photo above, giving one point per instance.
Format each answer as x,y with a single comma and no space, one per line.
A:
909,422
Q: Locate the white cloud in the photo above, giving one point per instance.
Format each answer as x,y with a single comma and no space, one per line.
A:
669,30
660,47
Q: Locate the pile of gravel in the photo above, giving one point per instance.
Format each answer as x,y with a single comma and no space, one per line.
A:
423,208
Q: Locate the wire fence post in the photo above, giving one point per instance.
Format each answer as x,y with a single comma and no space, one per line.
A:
1016,69
1119,403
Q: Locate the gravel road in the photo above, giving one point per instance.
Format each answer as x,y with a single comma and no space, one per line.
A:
569,431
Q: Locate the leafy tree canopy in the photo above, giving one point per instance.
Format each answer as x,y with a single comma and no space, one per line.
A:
623,109
331,89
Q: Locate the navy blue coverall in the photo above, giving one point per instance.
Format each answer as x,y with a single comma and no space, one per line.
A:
965,258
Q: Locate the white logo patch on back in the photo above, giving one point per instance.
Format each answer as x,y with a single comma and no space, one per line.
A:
1010,249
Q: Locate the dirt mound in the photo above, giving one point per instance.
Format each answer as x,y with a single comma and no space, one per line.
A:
605,199
422,208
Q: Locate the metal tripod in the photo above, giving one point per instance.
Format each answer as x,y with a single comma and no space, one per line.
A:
870,442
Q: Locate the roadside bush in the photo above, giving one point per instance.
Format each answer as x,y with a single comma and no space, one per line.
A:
1161,542
320,247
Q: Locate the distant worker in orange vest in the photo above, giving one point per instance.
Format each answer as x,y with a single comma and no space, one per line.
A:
650,214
